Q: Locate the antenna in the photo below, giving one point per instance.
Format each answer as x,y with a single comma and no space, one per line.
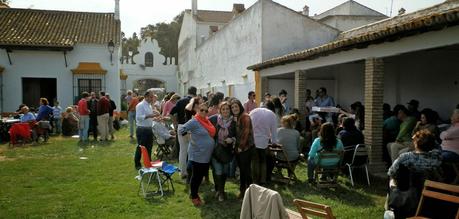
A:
391,7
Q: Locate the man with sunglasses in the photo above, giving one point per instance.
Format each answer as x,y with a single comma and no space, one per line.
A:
250,104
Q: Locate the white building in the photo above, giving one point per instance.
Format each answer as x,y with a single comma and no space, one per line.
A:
216,47
150,66
57,55
410,56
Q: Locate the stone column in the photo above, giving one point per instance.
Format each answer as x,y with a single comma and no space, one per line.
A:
374,93
300,90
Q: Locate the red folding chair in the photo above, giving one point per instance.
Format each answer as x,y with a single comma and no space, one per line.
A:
150,169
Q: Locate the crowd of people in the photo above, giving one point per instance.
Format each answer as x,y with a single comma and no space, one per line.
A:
222,133
92,114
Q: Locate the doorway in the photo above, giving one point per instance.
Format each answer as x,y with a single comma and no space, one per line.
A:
35,88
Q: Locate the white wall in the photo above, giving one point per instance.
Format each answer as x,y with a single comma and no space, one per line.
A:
432,77
226,55
165,73
50,64
286,31
344,23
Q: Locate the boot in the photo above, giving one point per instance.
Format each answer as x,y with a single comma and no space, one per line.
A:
221,188
217,182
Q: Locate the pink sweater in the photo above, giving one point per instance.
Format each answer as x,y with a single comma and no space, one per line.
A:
450,139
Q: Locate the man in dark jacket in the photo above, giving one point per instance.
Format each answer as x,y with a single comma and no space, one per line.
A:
112,108
92,106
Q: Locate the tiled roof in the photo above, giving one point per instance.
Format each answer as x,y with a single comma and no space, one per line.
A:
215,16
89,68
45,28
433,18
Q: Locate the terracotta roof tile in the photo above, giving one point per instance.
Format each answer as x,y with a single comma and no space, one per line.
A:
433,18
46,28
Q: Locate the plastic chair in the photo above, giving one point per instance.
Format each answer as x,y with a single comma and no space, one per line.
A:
150,170
359,160
313,209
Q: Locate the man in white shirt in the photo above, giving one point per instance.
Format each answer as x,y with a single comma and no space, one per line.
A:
144,119
264,123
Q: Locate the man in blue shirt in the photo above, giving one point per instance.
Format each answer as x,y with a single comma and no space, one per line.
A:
28,116
324,100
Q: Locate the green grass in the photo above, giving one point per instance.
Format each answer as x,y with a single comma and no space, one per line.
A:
51,181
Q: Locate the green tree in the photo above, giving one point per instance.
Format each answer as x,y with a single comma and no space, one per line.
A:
129,44
166,34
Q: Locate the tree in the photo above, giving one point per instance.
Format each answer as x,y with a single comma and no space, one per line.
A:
166,34
5,1
129,44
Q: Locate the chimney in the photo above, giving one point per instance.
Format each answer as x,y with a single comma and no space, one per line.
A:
306,10
117,9
194,7
238,8
4,5
401,11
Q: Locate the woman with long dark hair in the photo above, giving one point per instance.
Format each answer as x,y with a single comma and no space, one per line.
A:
244,144
326,141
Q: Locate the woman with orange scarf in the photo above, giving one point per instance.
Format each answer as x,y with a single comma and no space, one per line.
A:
200,148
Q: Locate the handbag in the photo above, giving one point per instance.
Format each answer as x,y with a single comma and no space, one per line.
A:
223,154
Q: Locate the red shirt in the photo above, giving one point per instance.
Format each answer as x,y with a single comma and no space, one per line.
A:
83,107
103,106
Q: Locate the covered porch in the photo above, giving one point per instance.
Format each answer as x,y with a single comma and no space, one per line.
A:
415,56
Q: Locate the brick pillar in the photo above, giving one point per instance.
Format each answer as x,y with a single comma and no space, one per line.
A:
374,93
300,90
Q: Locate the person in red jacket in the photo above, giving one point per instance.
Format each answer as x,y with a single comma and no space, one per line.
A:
83,125
103,108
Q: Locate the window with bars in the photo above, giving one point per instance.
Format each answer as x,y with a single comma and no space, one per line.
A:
148,59
89,85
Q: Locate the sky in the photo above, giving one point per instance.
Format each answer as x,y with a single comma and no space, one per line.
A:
139,13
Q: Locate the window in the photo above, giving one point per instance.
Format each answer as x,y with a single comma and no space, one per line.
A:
89,85
148,59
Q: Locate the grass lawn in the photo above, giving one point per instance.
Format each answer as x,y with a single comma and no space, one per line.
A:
51,181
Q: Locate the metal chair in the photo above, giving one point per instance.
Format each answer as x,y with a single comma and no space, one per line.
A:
359,160
151,171
284,163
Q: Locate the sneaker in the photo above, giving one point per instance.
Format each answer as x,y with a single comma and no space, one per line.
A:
196,202
221,196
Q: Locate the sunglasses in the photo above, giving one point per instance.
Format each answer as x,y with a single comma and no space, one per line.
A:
203,110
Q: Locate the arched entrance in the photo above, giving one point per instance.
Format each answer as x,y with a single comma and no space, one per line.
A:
144,84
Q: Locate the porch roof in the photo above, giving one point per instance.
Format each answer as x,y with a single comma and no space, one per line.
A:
89,68
391,29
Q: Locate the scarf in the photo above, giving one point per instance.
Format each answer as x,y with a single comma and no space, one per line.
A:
223,131
206,124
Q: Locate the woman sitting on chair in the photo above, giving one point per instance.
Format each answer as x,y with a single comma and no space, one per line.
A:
289,138
327,142
69,122
410,170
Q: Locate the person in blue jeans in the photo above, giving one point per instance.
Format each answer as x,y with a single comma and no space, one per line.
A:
57,118
327,141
